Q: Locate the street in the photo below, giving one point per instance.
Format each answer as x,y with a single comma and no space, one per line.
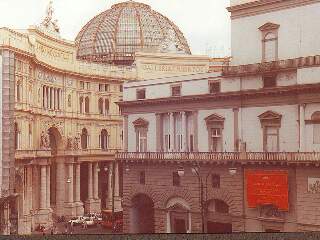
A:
77,230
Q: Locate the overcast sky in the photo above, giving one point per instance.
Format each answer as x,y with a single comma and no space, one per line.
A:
205,23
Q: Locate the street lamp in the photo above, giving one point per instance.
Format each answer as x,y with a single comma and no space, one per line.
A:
68,180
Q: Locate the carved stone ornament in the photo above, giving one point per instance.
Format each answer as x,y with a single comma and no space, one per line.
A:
72,143
76,143
44,141
314,185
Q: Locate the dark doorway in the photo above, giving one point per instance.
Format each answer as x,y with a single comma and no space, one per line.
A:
180,226
216,227
142,214
84,182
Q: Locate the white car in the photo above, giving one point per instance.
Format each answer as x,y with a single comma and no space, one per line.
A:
76,220
89,221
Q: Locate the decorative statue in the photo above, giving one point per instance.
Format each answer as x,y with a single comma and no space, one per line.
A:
170,44
48,22
76,143
69,143
44,141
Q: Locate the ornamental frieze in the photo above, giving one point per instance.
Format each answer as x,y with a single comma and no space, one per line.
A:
53,53
46,125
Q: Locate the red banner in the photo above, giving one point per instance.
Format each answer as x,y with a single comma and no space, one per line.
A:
267,187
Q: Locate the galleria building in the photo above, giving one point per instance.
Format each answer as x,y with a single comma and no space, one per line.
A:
117,119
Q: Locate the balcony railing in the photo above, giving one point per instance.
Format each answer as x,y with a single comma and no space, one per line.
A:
281,65
222,156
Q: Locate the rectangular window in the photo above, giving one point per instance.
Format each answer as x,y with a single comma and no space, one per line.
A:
141,140
271,139
316,133
142,178
141,94
214,87
81,85
215,180
166,133
175,91
106,87
121,88
176,179
101,87
87,85
178,132
215,140
269,81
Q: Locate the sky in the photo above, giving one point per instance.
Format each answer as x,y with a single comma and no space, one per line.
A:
205,23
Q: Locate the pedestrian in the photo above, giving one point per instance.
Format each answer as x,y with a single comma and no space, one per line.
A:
71,228
66,228
85,226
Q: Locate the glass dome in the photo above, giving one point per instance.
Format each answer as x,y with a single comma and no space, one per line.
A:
116,34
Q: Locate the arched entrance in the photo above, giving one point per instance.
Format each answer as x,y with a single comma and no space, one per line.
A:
55,145
218,219
178,216
142,214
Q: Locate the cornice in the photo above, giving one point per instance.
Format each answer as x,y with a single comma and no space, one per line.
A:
237,95
265,6
57,70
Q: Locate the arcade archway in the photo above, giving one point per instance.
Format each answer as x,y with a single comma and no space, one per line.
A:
142,214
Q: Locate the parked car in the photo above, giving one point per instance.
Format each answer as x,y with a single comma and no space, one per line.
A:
76,220
89,221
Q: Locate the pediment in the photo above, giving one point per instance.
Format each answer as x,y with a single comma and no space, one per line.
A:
270,115
214,118
140,122
269,26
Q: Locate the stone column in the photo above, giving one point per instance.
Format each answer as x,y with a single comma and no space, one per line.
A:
70,184
43,186
158,132
54,98
302,128
48,186
195,130
109,197
95,181
184,131
171,120
77,195
89,181
60,188
117,199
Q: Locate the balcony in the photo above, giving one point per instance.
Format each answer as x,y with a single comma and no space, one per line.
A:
266,67
205,157
31,154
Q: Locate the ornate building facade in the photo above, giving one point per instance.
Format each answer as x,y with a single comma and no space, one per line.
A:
235,150
59,108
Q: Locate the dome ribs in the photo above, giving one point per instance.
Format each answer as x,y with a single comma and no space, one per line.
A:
116,34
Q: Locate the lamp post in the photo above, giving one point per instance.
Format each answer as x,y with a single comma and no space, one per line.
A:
203,201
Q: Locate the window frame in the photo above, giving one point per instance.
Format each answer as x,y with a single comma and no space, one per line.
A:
176,179
139,91
214,82
266,29
172,87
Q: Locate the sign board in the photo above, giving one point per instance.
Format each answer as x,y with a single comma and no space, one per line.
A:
267,188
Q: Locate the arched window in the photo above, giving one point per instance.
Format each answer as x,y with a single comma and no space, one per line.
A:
104,140
30,136
87,105
69,100
84,139
18,91
81,104
218,206
100,105
106,106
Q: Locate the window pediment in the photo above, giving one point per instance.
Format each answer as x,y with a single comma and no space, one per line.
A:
270,118
214,119
269,26
140,122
